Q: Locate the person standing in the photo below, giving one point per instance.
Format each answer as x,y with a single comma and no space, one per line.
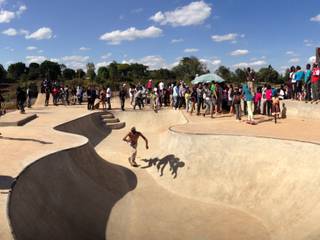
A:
236,102
249,100
207,96
122,96
92,95
299,77
132,138
307,82
315,82
108,96
199,91
29,95
21,99
103,98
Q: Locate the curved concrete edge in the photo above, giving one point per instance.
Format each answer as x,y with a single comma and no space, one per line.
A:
300,109
92,133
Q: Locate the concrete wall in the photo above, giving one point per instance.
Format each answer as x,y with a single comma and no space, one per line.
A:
296,109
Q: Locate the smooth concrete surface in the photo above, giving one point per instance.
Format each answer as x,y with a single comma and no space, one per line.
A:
300,109
195,182
16,119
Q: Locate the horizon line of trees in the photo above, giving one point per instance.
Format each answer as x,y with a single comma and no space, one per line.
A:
117,73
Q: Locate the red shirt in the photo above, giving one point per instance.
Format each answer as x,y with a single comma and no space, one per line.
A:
315,75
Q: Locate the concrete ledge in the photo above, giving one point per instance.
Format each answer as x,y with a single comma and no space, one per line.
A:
297,109
16,119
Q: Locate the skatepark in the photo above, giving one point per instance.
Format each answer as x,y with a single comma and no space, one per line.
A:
200,179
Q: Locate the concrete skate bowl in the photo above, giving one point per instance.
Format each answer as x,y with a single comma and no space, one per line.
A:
267,188
69,194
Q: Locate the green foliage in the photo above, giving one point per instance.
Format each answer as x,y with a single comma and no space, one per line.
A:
91,74
103,75
68,74
3,74
16,70
268,75
80,74
34,71
189,68
50,70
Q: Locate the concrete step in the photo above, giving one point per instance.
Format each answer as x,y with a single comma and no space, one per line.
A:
116,126
111,120
107,116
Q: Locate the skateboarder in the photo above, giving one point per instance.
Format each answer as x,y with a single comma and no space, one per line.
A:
132,138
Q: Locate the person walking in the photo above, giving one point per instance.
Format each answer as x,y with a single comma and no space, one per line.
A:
21,99
132,138
122,96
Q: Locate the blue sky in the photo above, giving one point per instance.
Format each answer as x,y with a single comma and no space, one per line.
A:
235,33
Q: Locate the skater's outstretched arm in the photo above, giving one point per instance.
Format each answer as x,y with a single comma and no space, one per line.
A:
126,138
145,139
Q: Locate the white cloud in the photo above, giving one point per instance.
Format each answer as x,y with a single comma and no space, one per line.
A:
84,49
6,16
31,48
312,59
153,62
232,37
76,62
290,52
131,34
315,18
35,59
9,49
193,14
294,60
212,64
10,32
191,50
239,52
21,10
14,32
102,64
178,40
258,63
41,34
106,56
308,43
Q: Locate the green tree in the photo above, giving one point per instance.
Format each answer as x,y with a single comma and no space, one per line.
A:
50,70
16,70
113,71
34,71
80,74
189,68
225,73
68,74
239,76
268,75
103,75
91,74
3,74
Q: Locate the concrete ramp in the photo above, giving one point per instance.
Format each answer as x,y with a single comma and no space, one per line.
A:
69,194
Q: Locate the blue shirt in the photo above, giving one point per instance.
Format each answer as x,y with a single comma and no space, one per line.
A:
247,93
299,76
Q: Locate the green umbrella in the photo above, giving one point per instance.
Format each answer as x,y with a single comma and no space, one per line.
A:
207,78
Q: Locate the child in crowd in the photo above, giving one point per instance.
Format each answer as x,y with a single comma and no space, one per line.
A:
276,106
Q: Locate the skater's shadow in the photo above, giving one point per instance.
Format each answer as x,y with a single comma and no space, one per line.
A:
171,160
25,140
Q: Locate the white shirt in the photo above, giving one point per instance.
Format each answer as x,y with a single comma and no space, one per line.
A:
108,93
161,85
